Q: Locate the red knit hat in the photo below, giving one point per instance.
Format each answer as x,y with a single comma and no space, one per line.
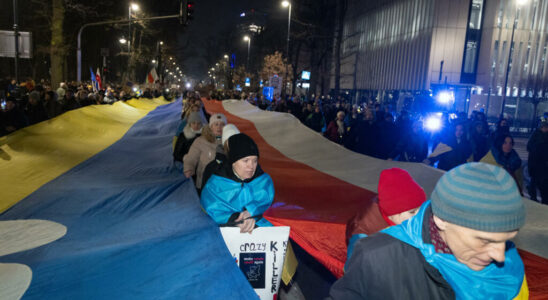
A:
398,192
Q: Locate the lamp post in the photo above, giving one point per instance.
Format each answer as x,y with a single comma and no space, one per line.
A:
16,35
248,40
519,3
132,7
287,4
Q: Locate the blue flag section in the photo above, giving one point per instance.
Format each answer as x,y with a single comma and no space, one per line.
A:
135,229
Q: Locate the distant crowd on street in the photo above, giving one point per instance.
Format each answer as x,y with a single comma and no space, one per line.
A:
29,102
376,130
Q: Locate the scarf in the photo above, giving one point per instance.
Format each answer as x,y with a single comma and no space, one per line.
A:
493,282
340,127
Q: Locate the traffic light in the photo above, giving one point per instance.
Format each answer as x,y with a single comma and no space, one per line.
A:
186,11
189,10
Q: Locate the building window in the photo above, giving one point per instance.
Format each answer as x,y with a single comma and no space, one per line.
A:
534,15
543,59
495,57
470,56
472,43
502,64
510,59
526,66
475,14
501,15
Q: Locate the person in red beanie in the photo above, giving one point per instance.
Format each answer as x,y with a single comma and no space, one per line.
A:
399,198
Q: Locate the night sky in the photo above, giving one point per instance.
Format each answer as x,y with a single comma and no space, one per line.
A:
192,45
212,18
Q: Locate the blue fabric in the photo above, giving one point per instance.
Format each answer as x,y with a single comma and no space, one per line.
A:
493,282
135,229
180,127
351,244
510,162
222,197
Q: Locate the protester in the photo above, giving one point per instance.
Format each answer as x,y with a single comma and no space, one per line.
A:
336,130
366,134
452,151
503,155
315,120
191,132
35,110
203,149
52,106
457,246
387,135
239,192
479,140
399,198
221,153
11,118
412,147
538,162
502,128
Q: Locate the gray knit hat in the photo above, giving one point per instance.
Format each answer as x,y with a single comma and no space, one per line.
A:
194,117
479,196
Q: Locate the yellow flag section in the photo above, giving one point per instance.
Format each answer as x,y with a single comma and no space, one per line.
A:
35,155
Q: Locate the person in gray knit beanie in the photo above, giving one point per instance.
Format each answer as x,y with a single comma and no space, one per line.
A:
458,246
479,196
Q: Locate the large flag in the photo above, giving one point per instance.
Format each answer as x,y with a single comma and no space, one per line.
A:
320,185
86,214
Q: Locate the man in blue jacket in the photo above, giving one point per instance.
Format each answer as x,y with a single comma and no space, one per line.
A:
457,246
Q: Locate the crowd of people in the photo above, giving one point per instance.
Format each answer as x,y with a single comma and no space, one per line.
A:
28,102
377,131
401,246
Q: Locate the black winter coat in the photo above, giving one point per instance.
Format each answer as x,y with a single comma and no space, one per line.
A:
383,267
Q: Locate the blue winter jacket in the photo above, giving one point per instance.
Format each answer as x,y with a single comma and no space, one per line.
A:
225,196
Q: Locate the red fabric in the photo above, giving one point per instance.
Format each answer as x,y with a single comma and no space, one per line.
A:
332,132
536,271
398,192
367,220
437,241
316,206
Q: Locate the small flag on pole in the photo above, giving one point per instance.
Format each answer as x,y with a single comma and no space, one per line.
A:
98,80
93,80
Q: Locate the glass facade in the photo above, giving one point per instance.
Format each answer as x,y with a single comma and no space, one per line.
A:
472,43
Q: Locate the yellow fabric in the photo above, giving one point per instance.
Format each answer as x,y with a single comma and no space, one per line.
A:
524,291
35,155
290,265
490,159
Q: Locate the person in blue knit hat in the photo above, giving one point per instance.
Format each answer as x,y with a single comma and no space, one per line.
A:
456,247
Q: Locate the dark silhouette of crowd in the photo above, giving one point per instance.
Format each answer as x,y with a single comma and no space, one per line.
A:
377,131
28,102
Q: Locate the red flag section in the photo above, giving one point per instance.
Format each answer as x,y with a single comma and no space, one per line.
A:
316,206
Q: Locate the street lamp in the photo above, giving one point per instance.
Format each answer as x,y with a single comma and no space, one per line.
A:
519,3
153,61
287,4
248,40
132,7
161,43
122,40
226,56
